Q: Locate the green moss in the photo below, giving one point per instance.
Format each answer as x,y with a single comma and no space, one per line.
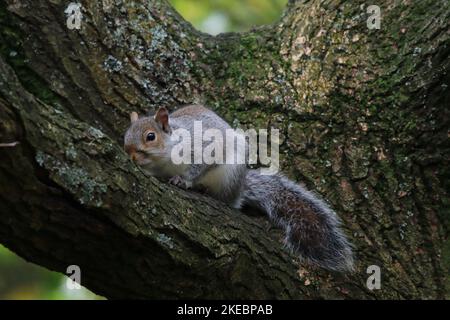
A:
11,50
241,81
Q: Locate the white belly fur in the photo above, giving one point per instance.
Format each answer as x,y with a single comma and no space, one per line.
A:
214,179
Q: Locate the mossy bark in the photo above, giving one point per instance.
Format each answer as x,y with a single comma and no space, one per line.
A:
364,120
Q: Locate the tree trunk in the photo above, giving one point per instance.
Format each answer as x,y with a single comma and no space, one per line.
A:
364,119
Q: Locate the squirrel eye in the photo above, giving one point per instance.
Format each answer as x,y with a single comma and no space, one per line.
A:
150,136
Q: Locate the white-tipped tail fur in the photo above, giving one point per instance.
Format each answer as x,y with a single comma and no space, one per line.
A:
312,228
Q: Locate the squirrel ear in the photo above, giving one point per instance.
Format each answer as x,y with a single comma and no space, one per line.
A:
133,116
162,117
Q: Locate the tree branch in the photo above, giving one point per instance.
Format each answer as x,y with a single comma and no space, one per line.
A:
364,122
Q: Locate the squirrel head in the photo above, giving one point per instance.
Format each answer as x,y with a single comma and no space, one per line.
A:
145,139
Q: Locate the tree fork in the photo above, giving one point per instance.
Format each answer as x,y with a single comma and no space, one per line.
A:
364,122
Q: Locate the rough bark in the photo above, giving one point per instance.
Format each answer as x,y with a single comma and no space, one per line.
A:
364,116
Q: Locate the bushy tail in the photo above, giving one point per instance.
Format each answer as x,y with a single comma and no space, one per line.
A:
312,228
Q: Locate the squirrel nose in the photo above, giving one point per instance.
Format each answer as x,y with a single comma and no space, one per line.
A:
131,150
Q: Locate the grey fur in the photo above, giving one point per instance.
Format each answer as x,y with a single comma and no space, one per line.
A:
222,181
331,248
312,229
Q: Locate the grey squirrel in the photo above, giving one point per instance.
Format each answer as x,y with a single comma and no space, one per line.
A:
312,229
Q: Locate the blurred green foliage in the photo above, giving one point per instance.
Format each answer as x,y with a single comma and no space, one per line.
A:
216,16
25,281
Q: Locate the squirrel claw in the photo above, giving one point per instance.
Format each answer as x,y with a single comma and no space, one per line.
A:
179,182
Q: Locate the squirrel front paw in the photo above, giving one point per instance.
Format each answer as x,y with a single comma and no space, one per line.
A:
180,182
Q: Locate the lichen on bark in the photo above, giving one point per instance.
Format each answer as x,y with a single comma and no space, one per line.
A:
363,121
